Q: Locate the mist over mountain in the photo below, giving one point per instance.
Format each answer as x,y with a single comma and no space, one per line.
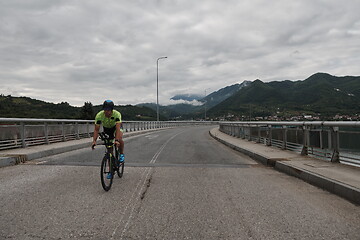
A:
187,97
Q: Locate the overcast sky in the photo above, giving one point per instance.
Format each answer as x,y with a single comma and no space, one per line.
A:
78,51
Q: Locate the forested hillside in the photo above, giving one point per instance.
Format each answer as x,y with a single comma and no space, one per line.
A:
25,107
320,94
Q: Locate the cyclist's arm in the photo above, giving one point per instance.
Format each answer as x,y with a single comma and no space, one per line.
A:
98,120
96,133
119,133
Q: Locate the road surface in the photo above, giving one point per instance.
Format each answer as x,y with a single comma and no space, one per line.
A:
178,184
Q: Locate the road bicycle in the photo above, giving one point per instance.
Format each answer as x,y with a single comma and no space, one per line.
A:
110,163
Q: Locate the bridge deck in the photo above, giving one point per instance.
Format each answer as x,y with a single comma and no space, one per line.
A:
337,178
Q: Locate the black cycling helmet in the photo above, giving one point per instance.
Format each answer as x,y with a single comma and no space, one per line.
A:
108,105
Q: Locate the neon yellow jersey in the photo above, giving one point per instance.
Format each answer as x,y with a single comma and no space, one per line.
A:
108,122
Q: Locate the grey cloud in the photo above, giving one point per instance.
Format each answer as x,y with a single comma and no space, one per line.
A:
98,50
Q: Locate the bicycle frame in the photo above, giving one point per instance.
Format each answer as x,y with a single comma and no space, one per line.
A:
109,145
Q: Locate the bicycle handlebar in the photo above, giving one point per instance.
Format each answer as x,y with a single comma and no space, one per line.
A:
104,137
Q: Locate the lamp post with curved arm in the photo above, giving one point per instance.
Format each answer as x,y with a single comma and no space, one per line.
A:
157,87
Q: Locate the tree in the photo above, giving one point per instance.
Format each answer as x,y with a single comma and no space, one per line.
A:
87,111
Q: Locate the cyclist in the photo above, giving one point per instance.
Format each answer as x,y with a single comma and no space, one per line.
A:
112,125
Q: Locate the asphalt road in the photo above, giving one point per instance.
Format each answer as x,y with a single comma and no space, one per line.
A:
178,184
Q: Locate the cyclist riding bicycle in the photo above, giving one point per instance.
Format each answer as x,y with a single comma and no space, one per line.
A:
112,125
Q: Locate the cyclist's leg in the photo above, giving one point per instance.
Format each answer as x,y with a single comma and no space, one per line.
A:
110,133
122,144
121,147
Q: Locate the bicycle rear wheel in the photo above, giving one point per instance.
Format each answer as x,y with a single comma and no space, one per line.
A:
106,169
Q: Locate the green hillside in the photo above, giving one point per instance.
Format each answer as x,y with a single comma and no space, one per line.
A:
25,107
320,94
217,97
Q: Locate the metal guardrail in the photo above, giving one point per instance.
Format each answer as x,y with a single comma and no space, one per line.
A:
332,141
328,140
21,132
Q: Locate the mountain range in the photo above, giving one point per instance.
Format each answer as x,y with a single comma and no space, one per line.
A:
190,111
321,94
217,97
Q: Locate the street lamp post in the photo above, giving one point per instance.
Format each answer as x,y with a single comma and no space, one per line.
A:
205,102
205,105
157,87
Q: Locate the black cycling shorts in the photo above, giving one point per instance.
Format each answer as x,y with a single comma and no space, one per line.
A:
110,132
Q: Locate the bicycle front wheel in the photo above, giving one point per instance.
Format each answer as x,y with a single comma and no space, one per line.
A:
120,170
107,173
120,166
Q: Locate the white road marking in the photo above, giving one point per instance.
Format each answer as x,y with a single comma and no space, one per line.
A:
155,157
132,210
136,136
143,181
131,200
41,162
151,136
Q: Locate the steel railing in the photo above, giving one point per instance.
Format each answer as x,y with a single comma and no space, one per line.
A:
335,141
21,132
